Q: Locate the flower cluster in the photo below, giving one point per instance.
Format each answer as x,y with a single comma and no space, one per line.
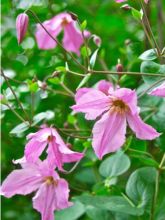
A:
36,175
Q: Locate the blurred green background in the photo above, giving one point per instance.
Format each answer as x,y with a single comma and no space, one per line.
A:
122,38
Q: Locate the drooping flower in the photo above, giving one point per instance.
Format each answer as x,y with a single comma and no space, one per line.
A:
158,91
58,152
72,39
22,21
52,192
115,108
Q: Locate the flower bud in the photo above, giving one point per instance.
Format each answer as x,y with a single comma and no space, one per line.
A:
119,67
126,7
97,40
21,26
73,16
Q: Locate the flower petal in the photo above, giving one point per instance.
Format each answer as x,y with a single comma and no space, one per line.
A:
72,38
62,195
45,200
34,149
109,133
23,181
93,103
104,86
142,130
158,91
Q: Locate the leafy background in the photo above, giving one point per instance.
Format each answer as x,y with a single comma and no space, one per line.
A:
100,190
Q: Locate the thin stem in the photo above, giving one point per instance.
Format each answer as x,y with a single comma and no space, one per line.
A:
75,165
32,105
67,89
13,92
57,42
149,28
15,113
154,202
117,73
128,199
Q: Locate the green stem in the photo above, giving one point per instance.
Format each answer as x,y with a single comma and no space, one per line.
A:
15,113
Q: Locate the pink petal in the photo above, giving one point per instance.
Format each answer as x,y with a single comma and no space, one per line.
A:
158,91
72,40
104,86
109,133
45,200
34,149
21,26
142,130
62,195
120,1
23,181
92,103
80,92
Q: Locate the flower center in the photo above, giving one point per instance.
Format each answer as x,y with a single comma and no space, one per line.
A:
50,138
49,180
119,106
64,22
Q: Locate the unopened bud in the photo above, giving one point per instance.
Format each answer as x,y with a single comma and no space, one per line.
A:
97,40
119,68
22,21
44,85
73,16
66,125
55,73
126,7
69,145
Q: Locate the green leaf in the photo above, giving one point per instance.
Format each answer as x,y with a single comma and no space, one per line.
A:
115,165
83,25
61,68
152,67
55,81
85,51
26,4
140,186
138,15
84,80
48,115
93,58
112,203
20,128
72,213
97,214
149,55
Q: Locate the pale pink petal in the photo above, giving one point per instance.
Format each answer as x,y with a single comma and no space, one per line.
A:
34,149
158,91
93,103
109,133
104,86
45,201
142,130
23,181
72,40
62,195
81,92
54,155
120,1
129,97
41,135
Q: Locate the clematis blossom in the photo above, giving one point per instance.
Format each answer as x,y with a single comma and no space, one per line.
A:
52,192
58,152
72,39
158,91
114,109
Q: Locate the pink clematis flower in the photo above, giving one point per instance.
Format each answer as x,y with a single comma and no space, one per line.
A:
114,108
52,191
72,39
58,152
158,91
21,26
120,1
